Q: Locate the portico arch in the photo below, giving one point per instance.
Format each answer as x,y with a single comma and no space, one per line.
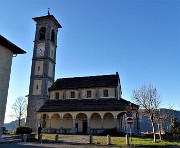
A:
67,121
108,120
81,123
55,121
96,121
44,120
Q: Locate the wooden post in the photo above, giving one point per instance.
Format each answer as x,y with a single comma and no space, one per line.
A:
40,138
90,139
56,138
127,139
108,139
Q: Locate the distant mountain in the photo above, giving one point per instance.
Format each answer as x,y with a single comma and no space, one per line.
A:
145,125
14,124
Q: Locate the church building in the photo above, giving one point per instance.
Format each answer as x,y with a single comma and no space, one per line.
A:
89,104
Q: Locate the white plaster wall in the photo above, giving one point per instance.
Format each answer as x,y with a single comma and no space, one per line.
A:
111,92
39,64
68,94
5,70
35,90
84,93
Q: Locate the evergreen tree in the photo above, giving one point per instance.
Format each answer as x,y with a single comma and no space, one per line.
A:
175,127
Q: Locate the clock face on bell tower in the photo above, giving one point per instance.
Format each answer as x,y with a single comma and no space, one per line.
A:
43,64
40,49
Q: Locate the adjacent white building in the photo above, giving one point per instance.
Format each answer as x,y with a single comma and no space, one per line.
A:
7,51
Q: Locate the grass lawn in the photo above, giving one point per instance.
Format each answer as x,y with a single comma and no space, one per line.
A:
136,141
120,141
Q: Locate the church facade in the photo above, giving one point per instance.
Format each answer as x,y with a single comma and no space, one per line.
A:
90,104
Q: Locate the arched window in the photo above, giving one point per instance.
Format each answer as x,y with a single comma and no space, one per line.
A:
42,33
52,35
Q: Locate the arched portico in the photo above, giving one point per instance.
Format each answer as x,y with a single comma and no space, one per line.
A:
108,121
81,124
55,121
67,123
44,121
96,121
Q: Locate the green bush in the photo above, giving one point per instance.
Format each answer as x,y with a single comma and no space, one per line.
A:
23,130
112,132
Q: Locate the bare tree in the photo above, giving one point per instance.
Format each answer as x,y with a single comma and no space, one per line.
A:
160,118
148,100
18,109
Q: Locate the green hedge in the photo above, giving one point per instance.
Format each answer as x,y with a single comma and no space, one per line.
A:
23,130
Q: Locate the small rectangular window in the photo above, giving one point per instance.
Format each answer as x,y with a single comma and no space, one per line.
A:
56,95
72,94
36,86
88,94
38,68
105,93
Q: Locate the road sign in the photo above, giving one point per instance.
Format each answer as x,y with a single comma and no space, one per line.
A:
129,114
129,120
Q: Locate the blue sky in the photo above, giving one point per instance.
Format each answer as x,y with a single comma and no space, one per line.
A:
138,38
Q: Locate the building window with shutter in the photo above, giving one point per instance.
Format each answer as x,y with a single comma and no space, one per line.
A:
72,94
56,95
88,94
105,93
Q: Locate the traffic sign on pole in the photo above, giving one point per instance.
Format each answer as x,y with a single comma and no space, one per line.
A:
129,114
129,120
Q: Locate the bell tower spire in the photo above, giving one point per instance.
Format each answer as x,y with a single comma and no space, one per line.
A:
43,65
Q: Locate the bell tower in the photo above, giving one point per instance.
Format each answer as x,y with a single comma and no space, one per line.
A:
43,65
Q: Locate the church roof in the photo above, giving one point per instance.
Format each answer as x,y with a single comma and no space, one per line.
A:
103,104
86,82
9,45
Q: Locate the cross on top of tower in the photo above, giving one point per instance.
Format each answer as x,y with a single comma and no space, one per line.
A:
48,11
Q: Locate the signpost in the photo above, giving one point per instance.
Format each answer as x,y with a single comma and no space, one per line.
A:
129,114
129,120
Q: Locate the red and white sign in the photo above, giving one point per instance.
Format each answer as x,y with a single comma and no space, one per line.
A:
129,120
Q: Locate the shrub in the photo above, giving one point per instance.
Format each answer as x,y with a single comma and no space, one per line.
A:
23,130
112,132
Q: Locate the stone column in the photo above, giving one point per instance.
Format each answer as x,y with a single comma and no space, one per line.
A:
123,123
74,125
115,122
50,122
88,125
102,123
61,122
